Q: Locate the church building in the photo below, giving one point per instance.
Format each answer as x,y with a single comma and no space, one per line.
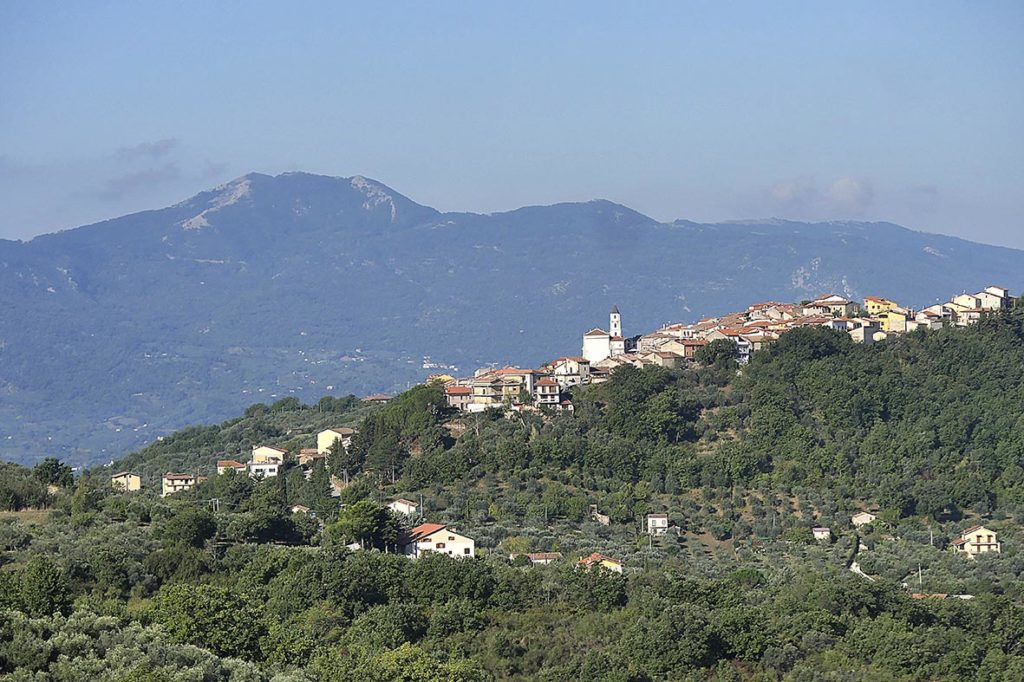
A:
599,344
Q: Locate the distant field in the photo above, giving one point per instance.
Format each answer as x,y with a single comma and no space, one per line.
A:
34,516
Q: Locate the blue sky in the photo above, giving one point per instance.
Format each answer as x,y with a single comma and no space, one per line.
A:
911,112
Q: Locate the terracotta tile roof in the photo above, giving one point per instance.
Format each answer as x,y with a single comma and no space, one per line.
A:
343,430
547,381
543,556
232,463
424,530
458,390
596,558
597,332
178,477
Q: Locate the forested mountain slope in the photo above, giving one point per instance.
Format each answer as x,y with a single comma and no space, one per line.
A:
115,333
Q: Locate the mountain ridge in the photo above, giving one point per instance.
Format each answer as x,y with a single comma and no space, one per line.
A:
302,284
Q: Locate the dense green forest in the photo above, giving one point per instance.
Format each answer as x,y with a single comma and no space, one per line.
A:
223,582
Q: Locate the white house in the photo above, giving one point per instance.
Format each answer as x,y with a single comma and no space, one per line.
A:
263,469
822,534
657,524
404,506
325,439
862,518
831,304
435,537
549,393
224,465
570,371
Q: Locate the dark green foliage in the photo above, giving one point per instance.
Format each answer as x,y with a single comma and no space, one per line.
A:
20,488
188,527
44,588
51,471
365,523
215,618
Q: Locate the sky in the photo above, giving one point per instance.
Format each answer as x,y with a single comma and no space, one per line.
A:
910,112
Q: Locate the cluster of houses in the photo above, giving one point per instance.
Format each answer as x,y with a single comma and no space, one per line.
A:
673,345
970,543
265,461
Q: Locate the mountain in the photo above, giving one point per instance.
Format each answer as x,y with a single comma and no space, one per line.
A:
115,333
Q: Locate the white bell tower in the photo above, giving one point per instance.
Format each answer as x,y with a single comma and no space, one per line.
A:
615,322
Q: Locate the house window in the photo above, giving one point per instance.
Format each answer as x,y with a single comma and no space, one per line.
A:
440,545
450,538
466,550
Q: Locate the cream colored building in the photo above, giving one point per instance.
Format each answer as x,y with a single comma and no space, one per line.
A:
126,481
326,438
657,524
977,540
175,483
268,454
404,507
862,518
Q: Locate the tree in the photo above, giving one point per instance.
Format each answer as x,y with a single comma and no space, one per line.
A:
51,471
365,522
44,588
216,618
720,353
189,527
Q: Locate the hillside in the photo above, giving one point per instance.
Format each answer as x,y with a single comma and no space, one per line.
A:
923,429
115,333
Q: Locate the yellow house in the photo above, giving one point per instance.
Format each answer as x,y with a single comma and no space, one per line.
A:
977,540
325,439
894,320
876,305
126,481
268,454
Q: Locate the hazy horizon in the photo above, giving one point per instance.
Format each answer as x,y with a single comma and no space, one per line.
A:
907,114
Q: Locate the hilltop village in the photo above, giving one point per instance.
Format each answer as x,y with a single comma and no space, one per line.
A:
673,345
548,389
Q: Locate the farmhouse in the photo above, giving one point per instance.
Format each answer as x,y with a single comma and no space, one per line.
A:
174,483
436,537
977,540
126,481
